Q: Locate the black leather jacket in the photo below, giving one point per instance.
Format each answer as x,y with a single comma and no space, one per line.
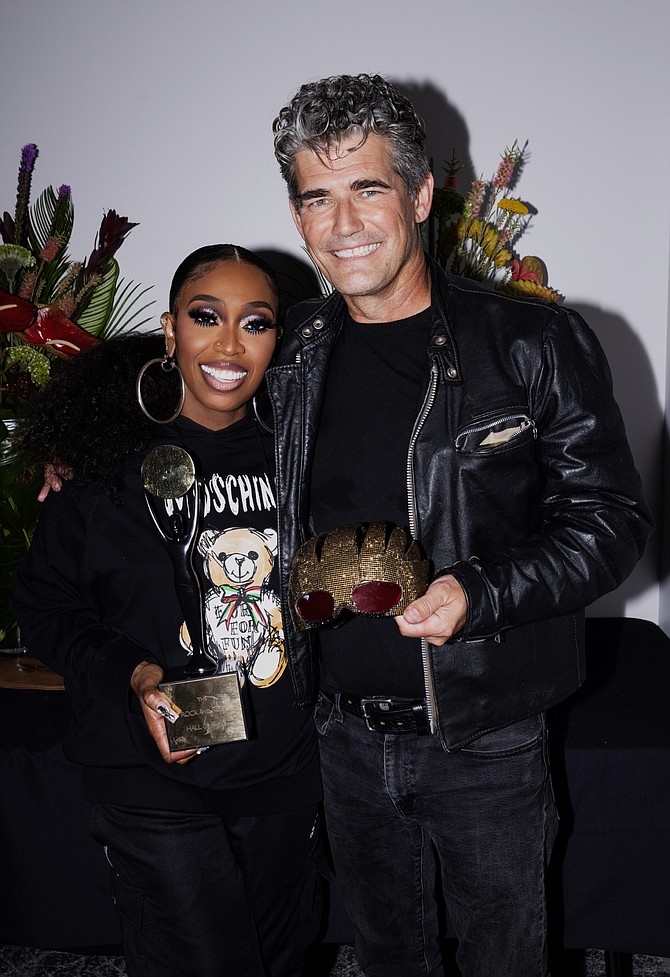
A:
520,482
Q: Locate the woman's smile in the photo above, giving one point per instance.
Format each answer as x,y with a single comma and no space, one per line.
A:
223,376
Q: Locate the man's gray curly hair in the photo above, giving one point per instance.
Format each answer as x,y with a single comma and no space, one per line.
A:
324,111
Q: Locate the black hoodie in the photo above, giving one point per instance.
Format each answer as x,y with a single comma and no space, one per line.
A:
95,596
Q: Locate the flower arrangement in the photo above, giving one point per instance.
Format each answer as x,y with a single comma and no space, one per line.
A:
50,308
475,235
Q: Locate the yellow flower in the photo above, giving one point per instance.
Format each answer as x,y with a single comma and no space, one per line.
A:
489,239
531,290
514,206
468,228
486,237
501,257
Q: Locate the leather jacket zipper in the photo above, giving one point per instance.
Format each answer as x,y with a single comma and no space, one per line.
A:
523,421
428,679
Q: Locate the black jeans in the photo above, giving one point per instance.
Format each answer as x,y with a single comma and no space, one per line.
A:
212,896
403,816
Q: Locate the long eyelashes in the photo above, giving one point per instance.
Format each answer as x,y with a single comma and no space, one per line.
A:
253,324
257,324
203,316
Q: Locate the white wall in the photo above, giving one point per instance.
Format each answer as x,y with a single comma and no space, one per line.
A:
162,109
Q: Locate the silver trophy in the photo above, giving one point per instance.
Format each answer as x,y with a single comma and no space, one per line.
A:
208,704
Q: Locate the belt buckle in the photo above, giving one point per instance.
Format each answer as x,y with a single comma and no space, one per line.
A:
377,701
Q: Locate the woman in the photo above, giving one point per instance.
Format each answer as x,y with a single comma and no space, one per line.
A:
212,852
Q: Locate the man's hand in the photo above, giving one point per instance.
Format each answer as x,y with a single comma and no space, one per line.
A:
438,615
144,683
53,479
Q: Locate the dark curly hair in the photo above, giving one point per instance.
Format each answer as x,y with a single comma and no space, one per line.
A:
87,417
324,111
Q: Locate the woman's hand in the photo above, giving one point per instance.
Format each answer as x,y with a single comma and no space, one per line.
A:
53,479
144,683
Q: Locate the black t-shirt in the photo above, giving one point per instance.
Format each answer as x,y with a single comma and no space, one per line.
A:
375,383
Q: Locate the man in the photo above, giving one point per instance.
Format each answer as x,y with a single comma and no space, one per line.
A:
486,425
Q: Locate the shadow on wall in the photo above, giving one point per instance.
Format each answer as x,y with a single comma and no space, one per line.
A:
637,396
297,278
446,131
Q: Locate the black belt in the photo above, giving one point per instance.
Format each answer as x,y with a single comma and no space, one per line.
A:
386,715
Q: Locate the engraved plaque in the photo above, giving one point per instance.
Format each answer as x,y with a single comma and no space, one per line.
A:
210,711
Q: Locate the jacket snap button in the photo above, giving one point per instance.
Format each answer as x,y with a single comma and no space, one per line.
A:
307,331
318,323
440,340
452,372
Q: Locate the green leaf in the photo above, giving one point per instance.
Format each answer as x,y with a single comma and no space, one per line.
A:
18,517
47,217
42,217
19,512
447,202
99,305
126,311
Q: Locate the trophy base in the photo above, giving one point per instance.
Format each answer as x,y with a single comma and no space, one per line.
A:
210,710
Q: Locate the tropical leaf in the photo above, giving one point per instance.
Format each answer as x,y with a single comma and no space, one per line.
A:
19,512
11,555
100,301
18,518
12,469
126,310
50,216
42,215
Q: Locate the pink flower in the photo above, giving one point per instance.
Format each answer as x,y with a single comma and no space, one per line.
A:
504,173
50,249
476,197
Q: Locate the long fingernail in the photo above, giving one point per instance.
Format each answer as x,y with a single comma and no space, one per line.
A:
164,710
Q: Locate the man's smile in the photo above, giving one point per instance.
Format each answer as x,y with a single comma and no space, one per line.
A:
358,252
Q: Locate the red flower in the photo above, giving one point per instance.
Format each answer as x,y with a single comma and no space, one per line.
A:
529,269
43,326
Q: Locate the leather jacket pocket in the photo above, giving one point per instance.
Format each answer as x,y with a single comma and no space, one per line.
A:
496,432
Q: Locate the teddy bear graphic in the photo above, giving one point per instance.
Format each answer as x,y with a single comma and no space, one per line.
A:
242,615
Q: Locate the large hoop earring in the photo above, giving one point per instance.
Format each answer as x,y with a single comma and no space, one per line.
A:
258,416
168,364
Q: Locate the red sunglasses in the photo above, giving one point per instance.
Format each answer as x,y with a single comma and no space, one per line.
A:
369,597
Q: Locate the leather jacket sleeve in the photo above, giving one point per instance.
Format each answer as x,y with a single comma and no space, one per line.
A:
594,521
